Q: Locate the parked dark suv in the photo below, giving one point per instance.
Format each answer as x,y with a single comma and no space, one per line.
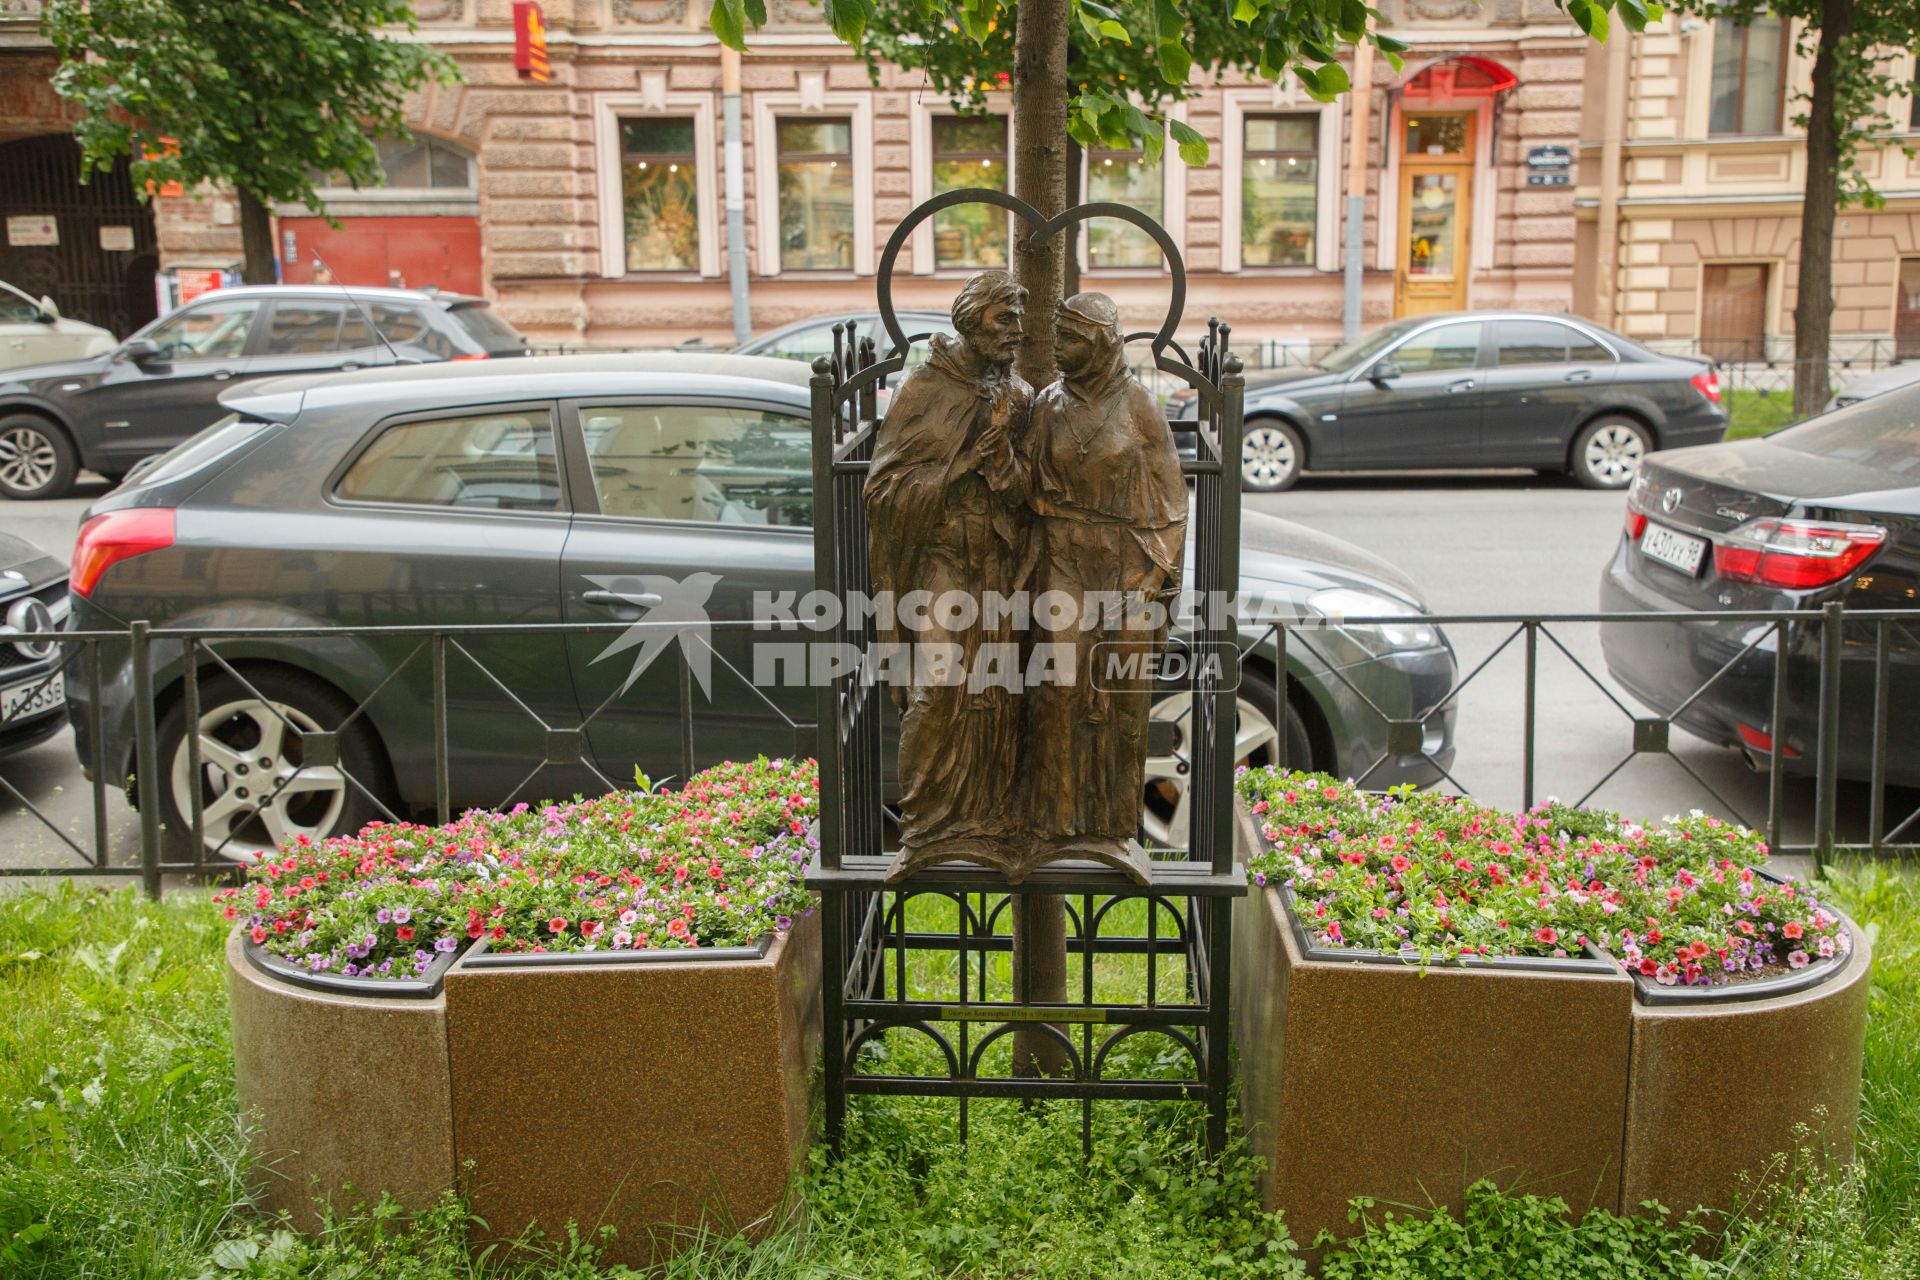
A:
531,492
107,412
1487,389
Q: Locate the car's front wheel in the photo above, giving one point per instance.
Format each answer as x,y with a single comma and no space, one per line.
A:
257,785
1271,456
1608,451
36,458
1256,742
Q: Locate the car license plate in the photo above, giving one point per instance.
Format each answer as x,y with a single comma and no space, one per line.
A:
1672,548
25,701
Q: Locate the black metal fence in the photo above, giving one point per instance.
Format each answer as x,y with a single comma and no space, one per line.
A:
1847,773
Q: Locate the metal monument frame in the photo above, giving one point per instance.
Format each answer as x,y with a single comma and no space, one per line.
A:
870,938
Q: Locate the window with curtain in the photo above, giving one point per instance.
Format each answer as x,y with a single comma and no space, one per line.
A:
660,194
1279,190
1749,76
1123,177
816,194
969,151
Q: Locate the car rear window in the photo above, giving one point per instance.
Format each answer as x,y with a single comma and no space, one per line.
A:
1882,434
209,445
487,328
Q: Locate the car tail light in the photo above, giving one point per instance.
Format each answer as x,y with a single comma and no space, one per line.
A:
1796,554
1762,742
1707,384
108,539
1636,524
478,356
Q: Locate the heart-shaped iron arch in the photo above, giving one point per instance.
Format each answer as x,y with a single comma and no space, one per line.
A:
1043,230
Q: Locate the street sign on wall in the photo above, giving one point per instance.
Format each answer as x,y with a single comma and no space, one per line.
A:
530,42
1550,166
32,230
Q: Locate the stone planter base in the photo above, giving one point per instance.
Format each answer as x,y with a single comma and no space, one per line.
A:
348,1093
646,1095
1561,1077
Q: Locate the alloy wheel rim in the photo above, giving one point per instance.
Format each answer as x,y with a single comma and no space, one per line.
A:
255,793
27,459
1164,811
1266,456
1614,454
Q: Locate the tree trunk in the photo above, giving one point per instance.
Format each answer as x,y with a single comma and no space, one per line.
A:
1070,251
256,239
1040,168
1040,178
1813,313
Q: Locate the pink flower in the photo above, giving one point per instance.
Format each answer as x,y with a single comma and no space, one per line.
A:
1798,960
1546,934
1792,929
557,925
1401,862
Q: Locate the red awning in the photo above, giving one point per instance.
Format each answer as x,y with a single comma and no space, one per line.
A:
1466,76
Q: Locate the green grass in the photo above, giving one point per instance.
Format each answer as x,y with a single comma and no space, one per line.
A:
1758,413
121,1156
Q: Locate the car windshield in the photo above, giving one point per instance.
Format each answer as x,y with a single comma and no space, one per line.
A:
1881,434
1360,350
485,327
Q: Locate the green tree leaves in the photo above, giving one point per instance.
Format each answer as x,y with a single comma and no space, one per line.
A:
262,97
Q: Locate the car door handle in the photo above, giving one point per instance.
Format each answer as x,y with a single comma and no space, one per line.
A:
1580,375
1455,388
614,600
221,375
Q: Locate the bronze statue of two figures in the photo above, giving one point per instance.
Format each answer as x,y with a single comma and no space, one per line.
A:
1061,514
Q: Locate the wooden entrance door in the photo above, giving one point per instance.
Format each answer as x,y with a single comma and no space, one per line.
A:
1733,312
1436,212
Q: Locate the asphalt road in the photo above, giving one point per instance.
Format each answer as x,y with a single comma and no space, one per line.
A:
1480,543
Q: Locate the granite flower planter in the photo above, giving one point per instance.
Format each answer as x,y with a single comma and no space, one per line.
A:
642,1090
1370,1075
344,1081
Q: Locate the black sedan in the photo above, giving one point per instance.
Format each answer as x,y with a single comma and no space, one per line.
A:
33,605
107,412
1828,510
1490,389
525,493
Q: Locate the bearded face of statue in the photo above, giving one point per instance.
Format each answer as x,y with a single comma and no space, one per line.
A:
997,336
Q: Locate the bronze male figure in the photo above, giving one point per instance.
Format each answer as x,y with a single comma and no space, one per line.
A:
946,509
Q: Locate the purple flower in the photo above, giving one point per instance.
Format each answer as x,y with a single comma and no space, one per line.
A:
445,944
384,916
783,923
401,915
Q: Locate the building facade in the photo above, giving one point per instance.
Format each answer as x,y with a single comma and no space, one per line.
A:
1688,202
592,208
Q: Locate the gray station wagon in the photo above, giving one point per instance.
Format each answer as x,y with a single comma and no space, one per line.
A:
511,493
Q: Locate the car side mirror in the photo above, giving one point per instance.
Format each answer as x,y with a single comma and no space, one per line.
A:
140,350
49,311
1383,372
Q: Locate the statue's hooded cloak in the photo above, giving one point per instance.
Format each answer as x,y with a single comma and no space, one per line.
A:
945,509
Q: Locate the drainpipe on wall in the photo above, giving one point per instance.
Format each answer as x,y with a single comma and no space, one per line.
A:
734,147
1362,100
1612,134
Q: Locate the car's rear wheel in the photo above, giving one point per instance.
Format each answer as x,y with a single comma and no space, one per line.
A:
1271,456
37,460
1608,450
257,790
1164,811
